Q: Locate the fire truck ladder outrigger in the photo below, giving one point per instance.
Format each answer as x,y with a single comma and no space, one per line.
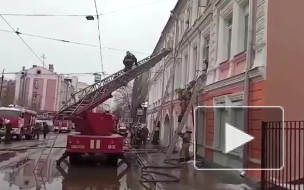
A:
93,96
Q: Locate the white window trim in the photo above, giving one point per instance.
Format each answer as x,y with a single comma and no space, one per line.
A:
226,100
218,101
225,13
194,66
239,14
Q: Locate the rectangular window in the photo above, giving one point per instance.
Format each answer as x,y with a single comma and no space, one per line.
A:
35,84
246,30
186,69
219,128
206,47
34,96
222,129
177,79
33,106
229,22
195,62
237,120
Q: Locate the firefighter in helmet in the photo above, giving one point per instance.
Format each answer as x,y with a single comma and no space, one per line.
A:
186,137
129,60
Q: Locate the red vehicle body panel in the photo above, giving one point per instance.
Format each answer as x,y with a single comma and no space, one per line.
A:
94,124
95,135
61,123
95,144
19,118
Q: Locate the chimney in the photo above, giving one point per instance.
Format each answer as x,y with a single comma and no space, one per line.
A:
51,67
34,66
23,68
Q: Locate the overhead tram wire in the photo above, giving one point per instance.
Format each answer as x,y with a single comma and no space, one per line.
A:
67,41
87,73
81,15
48,38
22,40
99,39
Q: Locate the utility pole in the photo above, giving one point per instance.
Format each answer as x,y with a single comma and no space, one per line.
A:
1,86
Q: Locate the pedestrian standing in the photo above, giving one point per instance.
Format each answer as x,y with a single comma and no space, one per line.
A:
46,129
144,134
8,129
155,137
184,153
37,129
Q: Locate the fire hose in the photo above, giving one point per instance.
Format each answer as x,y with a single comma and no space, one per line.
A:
148,171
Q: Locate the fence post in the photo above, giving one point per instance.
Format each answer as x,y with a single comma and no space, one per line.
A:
263,152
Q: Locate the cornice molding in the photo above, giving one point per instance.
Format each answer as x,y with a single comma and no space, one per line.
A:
253,74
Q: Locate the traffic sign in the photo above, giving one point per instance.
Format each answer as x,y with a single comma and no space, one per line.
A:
235,138
97,77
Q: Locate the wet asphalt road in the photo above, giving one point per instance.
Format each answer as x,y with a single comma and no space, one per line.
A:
16,171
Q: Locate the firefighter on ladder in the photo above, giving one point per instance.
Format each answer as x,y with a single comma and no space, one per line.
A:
129,60
184,153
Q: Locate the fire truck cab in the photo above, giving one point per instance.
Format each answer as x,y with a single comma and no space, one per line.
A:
21,119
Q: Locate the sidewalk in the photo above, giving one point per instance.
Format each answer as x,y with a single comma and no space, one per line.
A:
197,180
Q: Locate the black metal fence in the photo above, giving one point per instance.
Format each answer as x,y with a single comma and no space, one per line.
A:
282,147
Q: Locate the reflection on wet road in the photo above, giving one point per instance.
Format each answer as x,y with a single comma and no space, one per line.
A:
19,174
69,178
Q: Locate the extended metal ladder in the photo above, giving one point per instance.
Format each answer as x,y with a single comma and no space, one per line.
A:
181,125
93,96
163,101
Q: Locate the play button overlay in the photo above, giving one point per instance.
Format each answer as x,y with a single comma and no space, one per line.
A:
222,142
235,138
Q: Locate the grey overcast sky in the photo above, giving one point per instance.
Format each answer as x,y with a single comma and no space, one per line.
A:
136,29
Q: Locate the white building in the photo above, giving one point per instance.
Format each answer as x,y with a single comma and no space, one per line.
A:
255,55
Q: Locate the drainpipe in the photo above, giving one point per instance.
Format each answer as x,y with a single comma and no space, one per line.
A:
173,81
162,91
247,82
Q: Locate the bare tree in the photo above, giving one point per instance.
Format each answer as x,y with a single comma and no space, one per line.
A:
123,101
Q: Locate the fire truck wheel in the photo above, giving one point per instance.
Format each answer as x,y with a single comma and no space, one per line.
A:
74,158
112,159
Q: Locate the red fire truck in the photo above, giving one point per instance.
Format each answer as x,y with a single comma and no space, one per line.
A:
21,119
62,126
95,130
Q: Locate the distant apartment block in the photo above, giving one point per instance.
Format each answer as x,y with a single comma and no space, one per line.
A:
8,92
39,88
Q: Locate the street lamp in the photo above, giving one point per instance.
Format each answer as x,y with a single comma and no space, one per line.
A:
90,17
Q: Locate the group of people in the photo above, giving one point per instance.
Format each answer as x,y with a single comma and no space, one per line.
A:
6,128
139,135
38,128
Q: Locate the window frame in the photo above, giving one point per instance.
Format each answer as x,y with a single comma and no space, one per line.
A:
229,36
34,95
195,54
206,47
36,86
246,25
186,67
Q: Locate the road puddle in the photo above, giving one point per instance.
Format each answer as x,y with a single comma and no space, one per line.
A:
7,155
20,176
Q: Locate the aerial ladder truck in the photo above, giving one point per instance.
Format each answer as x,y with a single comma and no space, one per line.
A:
95,129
